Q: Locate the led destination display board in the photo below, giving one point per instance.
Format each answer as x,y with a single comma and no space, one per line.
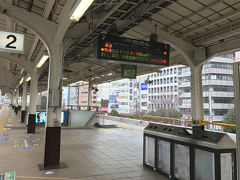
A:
133,51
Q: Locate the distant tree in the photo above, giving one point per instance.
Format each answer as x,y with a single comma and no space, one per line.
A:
229,118
114,113
173,113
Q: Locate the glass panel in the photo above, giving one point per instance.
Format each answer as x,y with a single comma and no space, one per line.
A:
182,162
164,156
204,165
150,151
226,166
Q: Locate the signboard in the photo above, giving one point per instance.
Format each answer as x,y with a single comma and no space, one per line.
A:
132,51
144,86
112,97
13,42
237,56
128,71
10,176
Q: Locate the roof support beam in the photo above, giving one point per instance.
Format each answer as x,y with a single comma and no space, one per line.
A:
28,66
220,19
184,48
223,48
46,12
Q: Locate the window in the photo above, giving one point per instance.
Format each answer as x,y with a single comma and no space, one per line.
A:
175,70
219,112
175,88
175,79
224,100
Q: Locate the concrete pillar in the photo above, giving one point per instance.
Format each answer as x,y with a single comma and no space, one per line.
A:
16,101
24,102
89,93
33,101
236,76
196,94
53,124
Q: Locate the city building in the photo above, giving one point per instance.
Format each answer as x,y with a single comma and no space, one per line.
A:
121,96
217,81
163,89
70,95
83,94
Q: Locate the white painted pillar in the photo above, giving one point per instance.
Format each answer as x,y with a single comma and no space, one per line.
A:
55,88
196,94
24,102
24,96
33,92
17,96
33,101
53,124
89,93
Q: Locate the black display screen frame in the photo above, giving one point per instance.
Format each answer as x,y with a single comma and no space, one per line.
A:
131,51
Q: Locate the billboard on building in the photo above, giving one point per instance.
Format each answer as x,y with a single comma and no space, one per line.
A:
144,86
237,56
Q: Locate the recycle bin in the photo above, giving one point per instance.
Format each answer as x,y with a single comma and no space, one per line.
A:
178,153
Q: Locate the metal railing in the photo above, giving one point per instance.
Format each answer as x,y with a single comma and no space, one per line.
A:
178,121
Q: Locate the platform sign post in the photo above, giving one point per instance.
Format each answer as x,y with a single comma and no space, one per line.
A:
11,42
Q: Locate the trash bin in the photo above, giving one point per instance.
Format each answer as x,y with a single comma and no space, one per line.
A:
178,153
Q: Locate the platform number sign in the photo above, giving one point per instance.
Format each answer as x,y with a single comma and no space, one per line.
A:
11,42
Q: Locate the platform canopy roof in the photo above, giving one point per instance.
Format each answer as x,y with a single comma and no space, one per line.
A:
210,27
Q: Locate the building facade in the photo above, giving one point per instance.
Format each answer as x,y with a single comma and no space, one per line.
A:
163,90
83,95
218,90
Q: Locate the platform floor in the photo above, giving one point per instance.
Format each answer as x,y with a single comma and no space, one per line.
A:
91,154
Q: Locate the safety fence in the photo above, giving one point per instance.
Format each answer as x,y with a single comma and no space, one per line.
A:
180,122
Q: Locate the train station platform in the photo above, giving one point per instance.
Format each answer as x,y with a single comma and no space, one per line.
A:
90,154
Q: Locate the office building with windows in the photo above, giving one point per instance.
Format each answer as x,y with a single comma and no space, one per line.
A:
217,81
163,89
83,94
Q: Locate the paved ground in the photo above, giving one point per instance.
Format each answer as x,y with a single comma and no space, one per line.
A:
91,154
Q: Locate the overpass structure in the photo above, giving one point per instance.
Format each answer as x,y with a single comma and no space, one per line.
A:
196,30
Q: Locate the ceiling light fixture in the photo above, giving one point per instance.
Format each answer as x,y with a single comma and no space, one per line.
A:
80,9
21,81
42,61
28,79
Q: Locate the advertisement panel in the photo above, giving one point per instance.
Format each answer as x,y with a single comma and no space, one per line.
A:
144,86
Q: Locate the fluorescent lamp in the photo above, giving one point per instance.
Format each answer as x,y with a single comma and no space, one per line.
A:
42,61
81,9
64,78
21,81
28,79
